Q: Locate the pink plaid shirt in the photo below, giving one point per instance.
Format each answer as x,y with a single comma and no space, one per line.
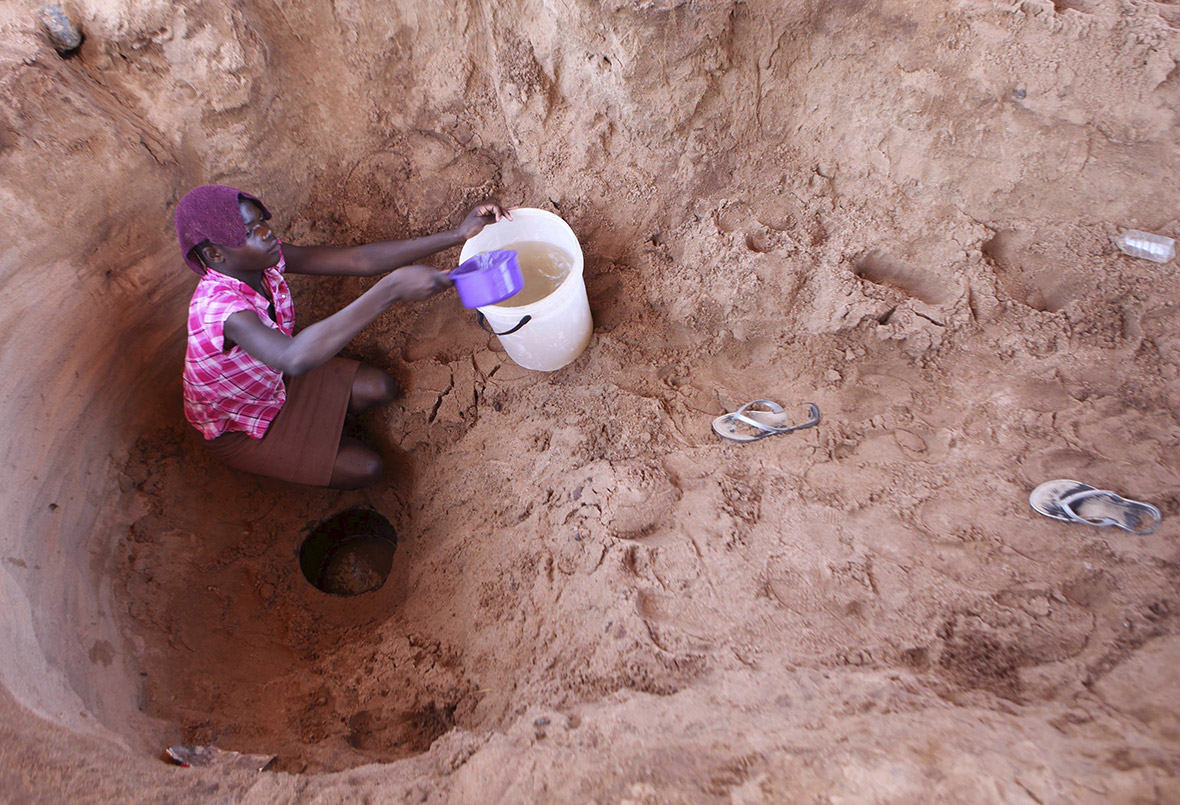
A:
232,391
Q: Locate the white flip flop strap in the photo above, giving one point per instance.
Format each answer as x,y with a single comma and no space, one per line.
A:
740,415
1068,503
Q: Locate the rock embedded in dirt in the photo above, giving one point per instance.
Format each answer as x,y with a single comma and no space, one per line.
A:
62,31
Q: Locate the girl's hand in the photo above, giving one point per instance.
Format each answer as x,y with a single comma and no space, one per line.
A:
415,283
481,216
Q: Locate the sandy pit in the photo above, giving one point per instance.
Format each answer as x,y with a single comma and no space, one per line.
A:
899,210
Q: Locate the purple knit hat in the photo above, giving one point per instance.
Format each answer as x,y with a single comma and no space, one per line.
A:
211,213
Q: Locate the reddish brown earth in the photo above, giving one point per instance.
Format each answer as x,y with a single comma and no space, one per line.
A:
901,211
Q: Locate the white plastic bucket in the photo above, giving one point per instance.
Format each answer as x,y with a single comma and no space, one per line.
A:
558,326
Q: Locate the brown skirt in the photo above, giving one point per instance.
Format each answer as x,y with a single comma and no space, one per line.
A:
301,443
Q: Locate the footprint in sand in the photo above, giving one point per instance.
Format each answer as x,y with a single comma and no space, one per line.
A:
882,269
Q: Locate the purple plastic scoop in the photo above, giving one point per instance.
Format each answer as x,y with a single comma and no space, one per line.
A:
488,278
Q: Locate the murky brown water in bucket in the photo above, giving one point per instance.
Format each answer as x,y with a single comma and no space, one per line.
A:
544,267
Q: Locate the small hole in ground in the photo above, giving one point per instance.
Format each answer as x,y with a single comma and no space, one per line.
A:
1084,6
350,553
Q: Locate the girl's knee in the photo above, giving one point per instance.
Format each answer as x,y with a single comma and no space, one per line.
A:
371,470
373,387
387,387
374,466
357,467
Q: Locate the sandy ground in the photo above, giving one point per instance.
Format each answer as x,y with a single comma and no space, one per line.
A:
899,211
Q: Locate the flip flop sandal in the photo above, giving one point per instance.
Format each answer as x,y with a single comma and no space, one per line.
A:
744,425
1076,502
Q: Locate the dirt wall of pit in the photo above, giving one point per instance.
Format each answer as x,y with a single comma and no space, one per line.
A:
903,208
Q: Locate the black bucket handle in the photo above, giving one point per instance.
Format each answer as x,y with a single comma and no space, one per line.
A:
484,324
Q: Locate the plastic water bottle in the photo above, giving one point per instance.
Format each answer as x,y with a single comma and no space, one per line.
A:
1156,248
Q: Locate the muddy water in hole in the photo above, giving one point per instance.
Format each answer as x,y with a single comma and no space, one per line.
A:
544,267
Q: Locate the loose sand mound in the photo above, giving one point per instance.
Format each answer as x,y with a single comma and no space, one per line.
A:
901,211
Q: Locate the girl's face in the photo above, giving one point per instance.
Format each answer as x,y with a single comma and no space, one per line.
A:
261,249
